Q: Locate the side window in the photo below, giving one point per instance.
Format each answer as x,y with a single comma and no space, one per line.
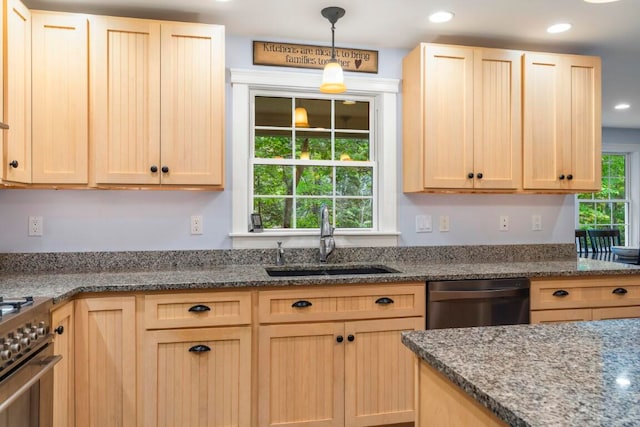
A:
308,151
608,208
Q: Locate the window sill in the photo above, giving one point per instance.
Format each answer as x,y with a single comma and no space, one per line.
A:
309,239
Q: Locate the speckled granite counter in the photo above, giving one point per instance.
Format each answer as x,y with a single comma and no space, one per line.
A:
63,285
567,374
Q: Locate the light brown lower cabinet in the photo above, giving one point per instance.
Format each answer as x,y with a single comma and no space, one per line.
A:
197,377
62,323
332,356
579,314
337,373
585,298
105,365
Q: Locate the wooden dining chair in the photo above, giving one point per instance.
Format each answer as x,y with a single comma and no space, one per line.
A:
602,240
581,241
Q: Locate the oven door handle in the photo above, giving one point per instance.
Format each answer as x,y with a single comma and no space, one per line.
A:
467,294
47,364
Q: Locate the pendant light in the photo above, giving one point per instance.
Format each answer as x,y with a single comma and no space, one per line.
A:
301,117
332,77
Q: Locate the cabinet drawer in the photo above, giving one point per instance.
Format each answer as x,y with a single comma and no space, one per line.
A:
194,310
341,303
611,291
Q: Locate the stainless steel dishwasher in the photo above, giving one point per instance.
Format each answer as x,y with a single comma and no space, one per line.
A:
465,303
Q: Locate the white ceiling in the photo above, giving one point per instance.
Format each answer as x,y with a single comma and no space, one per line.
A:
610,30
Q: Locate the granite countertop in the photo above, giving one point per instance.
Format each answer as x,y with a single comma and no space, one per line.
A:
569,374
63,285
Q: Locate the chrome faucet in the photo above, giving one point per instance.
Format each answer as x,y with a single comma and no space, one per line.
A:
327,244
280,254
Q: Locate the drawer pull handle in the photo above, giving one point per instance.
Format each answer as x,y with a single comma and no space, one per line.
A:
301,304
384,300
339,338
200,348
199,308
560,293
619,291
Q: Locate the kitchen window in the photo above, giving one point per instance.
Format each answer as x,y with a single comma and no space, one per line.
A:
309,151
608,209
342,154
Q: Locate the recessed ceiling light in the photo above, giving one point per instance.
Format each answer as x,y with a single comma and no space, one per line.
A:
600,1
559,28
440,17
622,106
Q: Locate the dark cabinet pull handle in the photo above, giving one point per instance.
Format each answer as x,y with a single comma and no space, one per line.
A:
350,338
14,164
560,293
301,304
569,177
470,175
384,300
200,348
59,330
165,169
154,169
479,176
561,177
339,338
199,308
619,291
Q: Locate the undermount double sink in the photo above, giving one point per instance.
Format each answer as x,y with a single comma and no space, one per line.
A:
328,271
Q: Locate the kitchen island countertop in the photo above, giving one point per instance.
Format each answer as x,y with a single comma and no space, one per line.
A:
62,286
569,374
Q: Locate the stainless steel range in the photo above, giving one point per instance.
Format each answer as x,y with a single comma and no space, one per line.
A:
26,362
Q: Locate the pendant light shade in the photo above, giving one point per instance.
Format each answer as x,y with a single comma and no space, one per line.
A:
301,118
332,76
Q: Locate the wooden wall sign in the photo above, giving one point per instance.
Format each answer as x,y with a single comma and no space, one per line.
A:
311,56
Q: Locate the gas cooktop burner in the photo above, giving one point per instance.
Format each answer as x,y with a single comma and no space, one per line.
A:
11,305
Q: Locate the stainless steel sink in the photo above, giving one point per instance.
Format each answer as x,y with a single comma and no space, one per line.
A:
328,271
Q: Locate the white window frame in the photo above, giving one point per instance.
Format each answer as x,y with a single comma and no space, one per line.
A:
633,189
384,93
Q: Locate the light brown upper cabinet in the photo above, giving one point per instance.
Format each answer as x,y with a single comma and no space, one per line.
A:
562,122
60,136
461,119
17,93
157,102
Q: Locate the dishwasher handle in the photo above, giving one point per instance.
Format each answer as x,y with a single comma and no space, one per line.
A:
479,294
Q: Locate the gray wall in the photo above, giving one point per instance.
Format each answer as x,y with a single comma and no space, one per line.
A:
119,220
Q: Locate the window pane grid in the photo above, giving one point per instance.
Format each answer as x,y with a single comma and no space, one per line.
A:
608,208
296,167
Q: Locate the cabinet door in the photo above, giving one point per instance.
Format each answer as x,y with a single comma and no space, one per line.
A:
60,144
497,145
192,104
2,72
380,372
616,313
552,316
448,116
105,342
198,377
125,100
544,143
584,100
63,372
301,375
17,106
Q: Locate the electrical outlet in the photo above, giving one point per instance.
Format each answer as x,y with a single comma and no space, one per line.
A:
504,223
196,224
35,226
536,222
444,223
423,224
